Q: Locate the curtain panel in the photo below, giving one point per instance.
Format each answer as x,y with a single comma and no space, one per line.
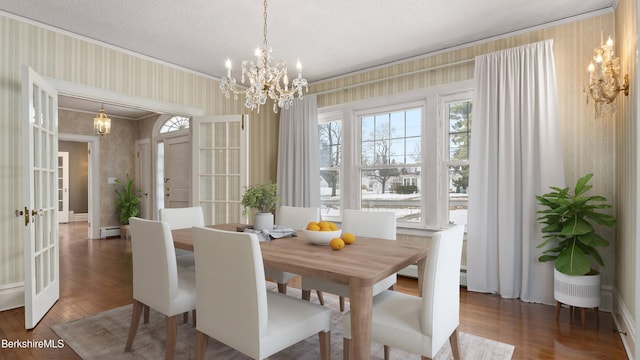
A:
298,173
515,155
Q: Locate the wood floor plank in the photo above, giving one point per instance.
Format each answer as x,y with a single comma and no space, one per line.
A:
96,275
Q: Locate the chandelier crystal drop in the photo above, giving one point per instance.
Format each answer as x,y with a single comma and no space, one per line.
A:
604,79
266,80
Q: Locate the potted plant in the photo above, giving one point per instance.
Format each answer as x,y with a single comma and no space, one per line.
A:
127,200
263,198
568,218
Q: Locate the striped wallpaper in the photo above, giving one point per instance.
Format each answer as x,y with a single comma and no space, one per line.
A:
64,57
589,145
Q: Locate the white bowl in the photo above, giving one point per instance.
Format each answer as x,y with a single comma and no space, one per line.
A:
321,237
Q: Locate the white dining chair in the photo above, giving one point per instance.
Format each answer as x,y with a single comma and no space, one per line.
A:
183,218
296,218
158,282
360,223
246,316
421,325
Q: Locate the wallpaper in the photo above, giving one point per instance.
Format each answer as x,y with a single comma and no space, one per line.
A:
56,55
589,145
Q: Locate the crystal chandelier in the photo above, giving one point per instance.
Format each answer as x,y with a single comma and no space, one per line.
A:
102,123
604,79
266,80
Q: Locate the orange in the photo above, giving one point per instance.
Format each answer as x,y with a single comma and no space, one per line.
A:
348,238
332,226
313,226
336,243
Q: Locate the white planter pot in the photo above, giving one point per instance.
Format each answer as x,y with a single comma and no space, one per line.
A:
581,291
263,221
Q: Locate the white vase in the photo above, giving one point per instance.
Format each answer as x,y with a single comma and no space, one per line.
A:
263,221
581,290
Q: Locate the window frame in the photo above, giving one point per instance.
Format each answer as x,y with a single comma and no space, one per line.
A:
433,141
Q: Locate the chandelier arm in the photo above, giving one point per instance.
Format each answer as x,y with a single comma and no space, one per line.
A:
264,78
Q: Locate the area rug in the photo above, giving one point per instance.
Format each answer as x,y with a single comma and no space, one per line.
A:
103,336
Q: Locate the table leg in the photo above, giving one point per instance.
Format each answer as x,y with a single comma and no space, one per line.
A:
361,298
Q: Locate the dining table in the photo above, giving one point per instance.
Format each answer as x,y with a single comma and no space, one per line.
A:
359,265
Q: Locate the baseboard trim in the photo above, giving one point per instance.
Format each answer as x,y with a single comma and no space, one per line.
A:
83,217
625,325
11,296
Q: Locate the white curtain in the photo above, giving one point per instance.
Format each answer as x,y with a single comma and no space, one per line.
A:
298,174
515,155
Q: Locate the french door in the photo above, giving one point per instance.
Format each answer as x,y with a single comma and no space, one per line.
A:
40,187
220,167
63,187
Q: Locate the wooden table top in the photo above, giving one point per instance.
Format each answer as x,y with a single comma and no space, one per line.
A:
366,261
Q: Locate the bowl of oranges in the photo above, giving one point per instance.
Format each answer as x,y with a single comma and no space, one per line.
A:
321,233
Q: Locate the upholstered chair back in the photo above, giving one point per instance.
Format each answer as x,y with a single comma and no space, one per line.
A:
440,309
182,218
297,217
369,223
231,295
155,274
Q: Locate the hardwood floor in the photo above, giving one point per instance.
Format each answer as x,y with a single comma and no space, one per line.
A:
95,275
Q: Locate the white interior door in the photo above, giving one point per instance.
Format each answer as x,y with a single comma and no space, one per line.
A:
63,186
40,164
177,171
143,176
220,171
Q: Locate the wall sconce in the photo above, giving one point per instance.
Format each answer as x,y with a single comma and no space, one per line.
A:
102,123
604,78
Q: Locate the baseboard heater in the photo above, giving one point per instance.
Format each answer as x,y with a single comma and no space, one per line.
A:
109,231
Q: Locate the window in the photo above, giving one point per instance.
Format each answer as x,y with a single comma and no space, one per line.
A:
390,153
409,155
175,123
458,115
330,143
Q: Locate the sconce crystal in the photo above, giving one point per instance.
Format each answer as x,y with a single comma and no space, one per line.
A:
604,79
266,80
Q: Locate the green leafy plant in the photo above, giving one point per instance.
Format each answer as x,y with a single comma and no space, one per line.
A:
261,197
567,218
127,200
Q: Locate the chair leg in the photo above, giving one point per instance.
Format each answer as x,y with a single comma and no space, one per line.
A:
306,295
202,340
597,318
454,339
320,297
346,348
282,288
171,328
386,352
341,303
325,345
133,328
558,307
185,317
193,315
146,314
583,316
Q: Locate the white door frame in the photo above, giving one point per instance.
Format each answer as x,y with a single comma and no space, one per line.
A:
143,177
117,98
93,181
